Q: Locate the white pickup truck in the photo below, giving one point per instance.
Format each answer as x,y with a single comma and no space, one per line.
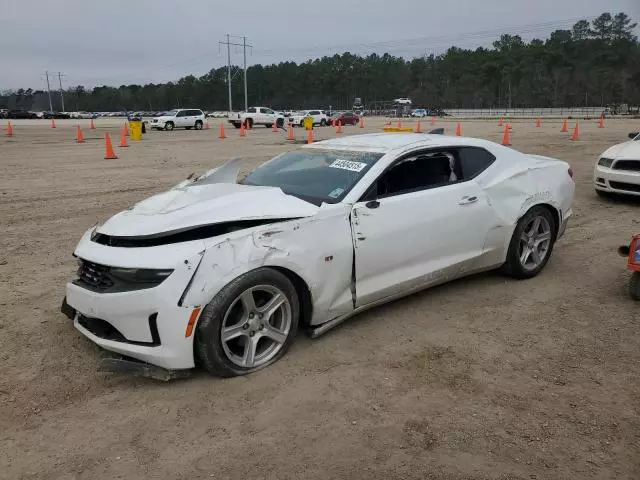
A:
257,116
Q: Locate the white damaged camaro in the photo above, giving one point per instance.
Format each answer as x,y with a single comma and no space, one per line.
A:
222,273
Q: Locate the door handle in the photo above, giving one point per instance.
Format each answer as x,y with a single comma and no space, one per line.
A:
467,200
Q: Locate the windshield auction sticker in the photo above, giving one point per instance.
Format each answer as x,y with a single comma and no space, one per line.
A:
348,165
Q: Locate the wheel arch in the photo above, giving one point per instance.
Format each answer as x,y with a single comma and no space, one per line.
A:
303,291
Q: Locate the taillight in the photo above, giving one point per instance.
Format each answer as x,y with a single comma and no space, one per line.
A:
570,172
634,251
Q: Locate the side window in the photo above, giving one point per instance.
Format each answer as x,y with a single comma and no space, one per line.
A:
314,112
419,171
194,113
251,110
181,113
473,161
267,111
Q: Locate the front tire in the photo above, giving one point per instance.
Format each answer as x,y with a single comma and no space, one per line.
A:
169,126
249,324
198,125
323,123
634,286
531,244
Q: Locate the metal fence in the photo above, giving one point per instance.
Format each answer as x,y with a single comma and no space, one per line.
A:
561,112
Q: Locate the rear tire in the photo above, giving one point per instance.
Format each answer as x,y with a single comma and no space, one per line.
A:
531,244
634,286
243,323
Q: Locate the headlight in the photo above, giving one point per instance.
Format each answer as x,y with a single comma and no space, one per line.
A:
104,279
605,162
140,275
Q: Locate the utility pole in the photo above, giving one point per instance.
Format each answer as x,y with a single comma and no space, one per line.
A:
244,46
49,91
244,52
60,75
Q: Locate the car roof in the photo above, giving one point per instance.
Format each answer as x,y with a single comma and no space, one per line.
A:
385,142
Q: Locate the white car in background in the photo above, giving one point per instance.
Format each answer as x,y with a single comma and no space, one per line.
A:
187,118
319,117
224,273
618,168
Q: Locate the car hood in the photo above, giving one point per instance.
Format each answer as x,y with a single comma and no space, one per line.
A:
628,150
164,117
193,205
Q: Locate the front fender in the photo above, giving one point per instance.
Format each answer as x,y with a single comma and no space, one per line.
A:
318,250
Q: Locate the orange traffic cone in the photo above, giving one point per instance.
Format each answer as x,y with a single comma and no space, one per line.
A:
274,127
291,136
459,130
79,135
500,123
242,130
123,137
310,136
92,126
109,153
418,127
576,132
565,127
601,123
538,122
433,121
506,138
339,129
9,129
399,124
53,123
222,135
361,122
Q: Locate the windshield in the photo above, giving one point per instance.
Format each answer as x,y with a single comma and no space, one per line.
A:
314,175
170,113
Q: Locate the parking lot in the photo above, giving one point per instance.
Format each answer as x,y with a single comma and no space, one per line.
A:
486,377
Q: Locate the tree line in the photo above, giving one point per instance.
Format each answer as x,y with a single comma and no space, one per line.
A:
595,63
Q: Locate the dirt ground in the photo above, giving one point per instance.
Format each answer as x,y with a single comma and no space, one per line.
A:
483,378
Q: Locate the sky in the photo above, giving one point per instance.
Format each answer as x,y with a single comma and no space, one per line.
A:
115,42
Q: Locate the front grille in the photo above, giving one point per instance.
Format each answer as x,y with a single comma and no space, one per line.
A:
629,187
632,165
95,277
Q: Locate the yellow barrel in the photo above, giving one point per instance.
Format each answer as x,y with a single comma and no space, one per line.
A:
308,123
135,129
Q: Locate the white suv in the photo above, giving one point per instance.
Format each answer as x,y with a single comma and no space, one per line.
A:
179,118
319,117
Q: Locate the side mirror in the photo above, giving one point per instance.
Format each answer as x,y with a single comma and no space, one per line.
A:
633,135
372,204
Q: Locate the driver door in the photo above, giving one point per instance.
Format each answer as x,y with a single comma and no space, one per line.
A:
420,224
